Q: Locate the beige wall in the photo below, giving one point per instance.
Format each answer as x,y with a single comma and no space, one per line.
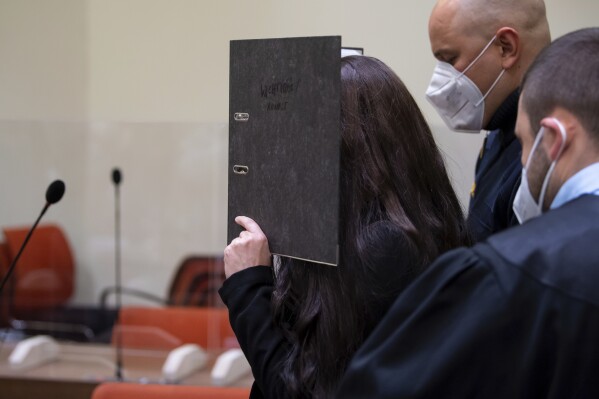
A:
86,85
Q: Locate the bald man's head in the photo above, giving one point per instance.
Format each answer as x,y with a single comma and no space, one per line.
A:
484,17
511,33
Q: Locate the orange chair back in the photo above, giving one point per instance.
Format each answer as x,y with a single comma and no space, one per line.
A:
169,327
115,390
45,274
4,259
4,265
197,281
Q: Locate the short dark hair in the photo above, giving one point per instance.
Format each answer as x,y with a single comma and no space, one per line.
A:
565,74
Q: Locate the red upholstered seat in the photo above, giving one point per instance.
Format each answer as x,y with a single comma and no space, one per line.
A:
169,327
45,273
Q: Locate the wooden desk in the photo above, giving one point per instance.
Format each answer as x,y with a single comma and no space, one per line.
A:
81,367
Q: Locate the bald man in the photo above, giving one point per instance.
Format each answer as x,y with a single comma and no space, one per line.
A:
483,48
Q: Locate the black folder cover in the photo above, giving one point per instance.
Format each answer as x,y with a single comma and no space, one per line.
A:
285,141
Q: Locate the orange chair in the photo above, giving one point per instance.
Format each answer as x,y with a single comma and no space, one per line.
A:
4,264
115,390
195,283
42,284
4,258
169,327
45,274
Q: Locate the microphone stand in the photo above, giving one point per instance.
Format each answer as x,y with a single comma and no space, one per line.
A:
10,302
54,194
15,260
116,178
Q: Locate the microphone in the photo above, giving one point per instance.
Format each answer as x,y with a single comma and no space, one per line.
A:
117,177
54,194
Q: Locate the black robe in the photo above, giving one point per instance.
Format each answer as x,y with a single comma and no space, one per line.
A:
514,317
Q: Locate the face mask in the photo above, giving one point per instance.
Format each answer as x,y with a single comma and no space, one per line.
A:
525,206
456,98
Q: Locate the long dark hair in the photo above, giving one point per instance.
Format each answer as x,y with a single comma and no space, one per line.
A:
391,174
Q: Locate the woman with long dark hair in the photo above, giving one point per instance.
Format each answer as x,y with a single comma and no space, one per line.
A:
300,325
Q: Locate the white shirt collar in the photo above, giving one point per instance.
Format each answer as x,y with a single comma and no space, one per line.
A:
585,181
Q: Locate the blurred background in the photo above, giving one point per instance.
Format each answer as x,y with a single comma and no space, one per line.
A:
89,85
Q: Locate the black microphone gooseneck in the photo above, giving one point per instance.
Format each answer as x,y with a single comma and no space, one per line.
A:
54,193
117,177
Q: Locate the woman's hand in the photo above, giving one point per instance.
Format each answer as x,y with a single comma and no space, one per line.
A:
247,250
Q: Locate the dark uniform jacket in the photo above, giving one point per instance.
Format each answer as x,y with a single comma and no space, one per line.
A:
497,175
514,317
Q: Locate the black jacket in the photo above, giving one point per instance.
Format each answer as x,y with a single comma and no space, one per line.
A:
497,175
247,295
514,317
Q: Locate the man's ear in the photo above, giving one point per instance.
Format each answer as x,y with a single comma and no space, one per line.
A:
509,41
555,137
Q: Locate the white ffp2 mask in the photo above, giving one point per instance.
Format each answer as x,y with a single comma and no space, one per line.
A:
525,206
456,98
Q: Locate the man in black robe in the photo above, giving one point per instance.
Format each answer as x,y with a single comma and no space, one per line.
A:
516,316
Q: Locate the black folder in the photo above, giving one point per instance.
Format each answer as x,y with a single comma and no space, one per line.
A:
285,142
